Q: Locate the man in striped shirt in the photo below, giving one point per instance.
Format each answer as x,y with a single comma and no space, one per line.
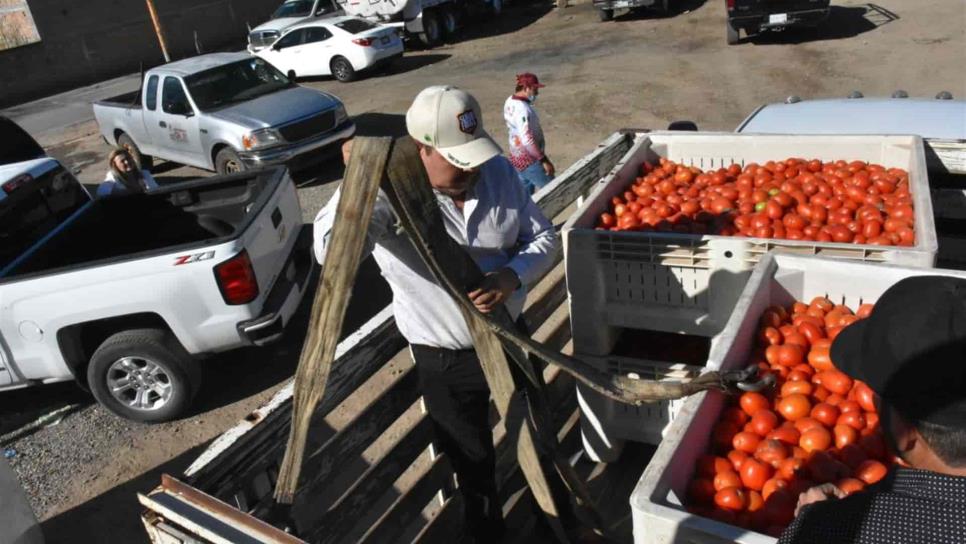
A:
527,145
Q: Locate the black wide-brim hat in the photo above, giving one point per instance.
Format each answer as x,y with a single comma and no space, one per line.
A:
912,349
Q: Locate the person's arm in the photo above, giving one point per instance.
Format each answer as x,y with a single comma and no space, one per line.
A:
150,183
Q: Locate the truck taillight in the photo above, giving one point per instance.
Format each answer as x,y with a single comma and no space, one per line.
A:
236,279
364,42
730,4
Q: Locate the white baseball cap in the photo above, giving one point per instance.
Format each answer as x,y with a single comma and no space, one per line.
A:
449,120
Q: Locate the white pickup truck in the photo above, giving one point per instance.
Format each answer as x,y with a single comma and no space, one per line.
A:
125,294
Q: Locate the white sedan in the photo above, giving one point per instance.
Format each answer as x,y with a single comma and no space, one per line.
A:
341,47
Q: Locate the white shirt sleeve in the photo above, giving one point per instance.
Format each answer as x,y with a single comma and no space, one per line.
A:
379,225
538,243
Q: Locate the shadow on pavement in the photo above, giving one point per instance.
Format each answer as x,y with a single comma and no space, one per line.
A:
406,63
514,18
843,22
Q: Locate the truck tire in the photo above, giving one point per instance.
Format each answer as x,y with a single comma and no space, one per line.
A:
451,21
432,33
732,33
227,161
342,69
144,162
144,375
605,14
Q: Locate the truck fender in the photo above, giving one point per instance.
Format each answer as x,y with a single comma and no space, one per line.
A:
79,341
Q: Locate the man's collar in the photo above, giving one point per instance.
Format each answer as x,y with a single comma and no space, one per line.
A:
927,484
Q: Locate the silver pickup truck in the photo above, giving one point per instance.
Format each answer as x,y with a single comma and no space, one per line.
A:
226,112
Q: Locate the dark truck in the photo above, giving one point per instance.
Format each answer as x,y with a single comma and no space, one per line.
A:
756,16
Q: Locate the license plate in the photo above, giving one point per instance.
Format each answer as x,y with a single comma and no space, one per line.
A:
778,18
385,40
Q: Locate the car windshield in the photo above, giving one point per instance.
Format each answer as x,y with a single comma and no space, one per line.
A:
235,82
293,8
355,26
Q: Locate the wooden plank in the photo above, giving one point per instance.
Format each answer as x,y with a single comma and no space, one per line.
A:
552,294
341,519
350,442
359,190
408,507
446,526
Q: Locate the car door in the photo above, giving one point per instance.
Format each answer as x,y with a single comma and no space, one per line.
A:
177,123
151,113
318,51
286,53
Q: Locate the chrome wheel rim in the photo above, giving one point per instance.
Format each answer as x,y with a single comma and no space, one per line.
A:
232,166
139,383
340,70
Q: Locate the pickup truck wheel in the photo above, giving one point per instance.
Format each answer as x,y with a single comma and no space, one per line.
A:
605,14
227,161
143,161
732,33
451,22
432,33
144,375
342,69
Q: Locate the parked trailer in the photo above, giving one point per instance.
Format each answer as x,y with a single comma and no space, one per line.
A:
371,473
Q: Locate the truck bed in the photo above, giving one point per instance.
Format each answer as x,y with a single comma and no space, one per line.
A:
126,100
200,212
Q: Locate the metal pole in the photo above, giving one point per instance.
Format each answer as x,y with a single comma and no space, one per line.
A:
157,30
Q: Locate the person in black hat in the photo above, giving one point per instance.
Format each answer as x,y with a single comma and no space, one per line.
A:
912,352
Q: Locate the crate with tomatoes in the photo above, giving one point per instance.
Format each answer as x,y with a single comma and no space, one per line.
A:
667,240
731,467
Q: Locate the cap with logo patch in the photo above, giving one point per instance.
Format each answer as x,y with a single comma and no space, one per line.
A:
449,120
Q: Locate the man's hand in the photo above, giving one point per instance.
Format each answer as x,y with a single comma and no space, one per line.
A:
346,151
818,493
548,167
495,288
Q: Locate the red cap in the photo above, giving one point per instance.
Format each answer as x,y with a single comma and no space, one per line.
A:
529,80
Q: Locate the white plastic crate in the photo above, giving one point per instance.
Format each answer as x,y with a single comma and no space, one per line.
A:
658,516
605,424
689,283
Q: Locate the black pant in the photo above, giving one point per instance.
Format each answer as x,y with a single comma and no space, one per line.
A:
458,399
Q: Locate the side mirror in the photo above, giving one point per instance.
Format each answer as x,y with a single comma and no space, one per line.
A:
276,47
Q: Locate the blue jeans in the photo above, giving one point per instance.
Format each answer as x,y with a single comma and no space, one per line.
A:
533,177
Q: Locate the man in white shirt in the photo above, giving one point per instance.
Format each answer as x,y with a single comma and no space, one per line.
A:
487,210
527,144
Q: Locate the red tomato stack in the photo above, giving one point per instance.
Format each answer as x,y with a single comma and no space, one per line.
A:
795,199
817,426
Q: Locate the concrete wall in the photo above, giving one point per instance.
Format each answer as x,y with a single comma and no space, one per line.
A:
85,41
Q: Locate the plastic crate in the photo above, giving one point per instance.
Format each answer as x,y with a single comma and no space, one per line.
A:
689,283
658,516
605,424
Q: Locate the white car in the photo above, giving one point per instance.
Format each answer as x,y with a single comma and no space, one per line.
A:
291,12
340,47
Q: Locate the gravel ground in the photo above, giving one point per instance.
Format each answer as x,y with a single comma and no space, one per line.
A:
639,71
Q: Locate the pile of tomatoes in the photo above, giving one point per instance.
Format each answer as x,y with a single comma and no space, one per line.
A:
795,199
816,426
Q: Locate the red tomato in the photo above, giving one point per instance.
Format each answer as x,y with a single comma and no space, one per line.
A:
763,422
871,471
836,382
799,387
787,435
732,499
755,473
845,435
737,457
864,396
709,465
726,479
825,413
790,468
856,420
746,441
850,485
815,439
752,402
794,407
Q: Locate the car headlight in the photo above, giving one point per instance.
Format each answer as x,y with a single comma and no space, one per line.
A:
341,116
262,138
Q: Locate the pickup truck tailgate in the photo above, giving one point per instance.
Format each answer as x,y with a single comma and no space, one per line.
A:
270,239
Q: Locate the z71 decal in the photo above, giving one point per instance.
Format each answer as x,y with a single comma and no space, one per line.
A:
196,258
